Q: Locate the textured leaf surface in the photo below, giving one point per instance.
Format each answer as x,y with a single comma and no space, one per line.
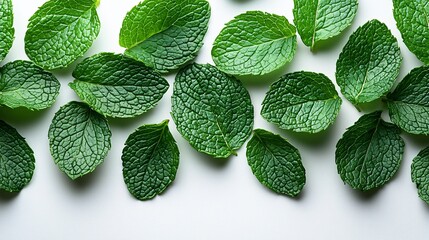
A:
7,31
118,86
150,160
165,34
16,160
302,102
369,153
369,63
409,103
275,163
79,139
420,174
412,19
23,84
212,110
317,20
61,31
254,43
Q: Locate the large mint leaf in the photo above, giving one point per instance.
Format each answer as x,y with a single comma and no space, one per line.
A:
7,31
254,43
150,160
369,63
61,31
302,102
369,153
420,174
412,19
275,163
16,160
165,34
23,84
409,103
318,20
212,110
79,139
118,86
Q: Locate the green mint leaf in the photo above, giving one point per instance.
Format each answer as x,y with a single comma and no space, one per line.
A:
408,104
275,163
212,110
165,34
369,63
318,20
61,31
118,86
302,102
7,31
412,19
79,139
150,160
16,160
254,43
420,174
369,153
23,84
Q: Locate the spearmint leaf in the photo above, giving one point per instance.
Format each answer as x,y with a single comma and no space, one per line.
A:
369,153
369,63
212,110
7,31
165,34
16,160
150,160
318,20
275,163
117,86
61,31
254,43
302,102
420,174
23,84
408,104
79,139
412,19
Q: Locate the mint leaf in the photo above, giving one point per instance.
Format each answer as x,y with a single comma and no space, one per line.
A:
61,31
117,86
318,20
23,84
302,102
150,160
7,31
165,34
16,160
254,43
79,139
212,110
275,163
408,104
412,19
420,174
369,63
369,153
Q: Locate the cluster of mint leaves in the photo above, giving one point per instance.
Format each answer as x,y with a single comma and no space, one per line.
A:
211,108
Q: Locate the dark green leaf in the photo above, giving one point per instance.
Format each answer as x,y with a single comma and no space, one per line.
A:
420,174
7,31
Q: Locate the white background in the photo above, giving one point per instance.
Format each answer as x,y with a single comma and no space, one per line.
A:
210,198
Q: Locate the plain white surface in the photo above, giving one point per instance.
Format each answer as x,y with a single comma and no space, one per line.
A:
210,198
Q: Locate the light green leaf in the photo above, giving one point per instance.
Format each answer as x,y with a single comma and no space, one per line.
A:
302,102
61,31
420,174
118,86
254,43
212,110
165,34
275,163
369,153
79,139
7,31
150,160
